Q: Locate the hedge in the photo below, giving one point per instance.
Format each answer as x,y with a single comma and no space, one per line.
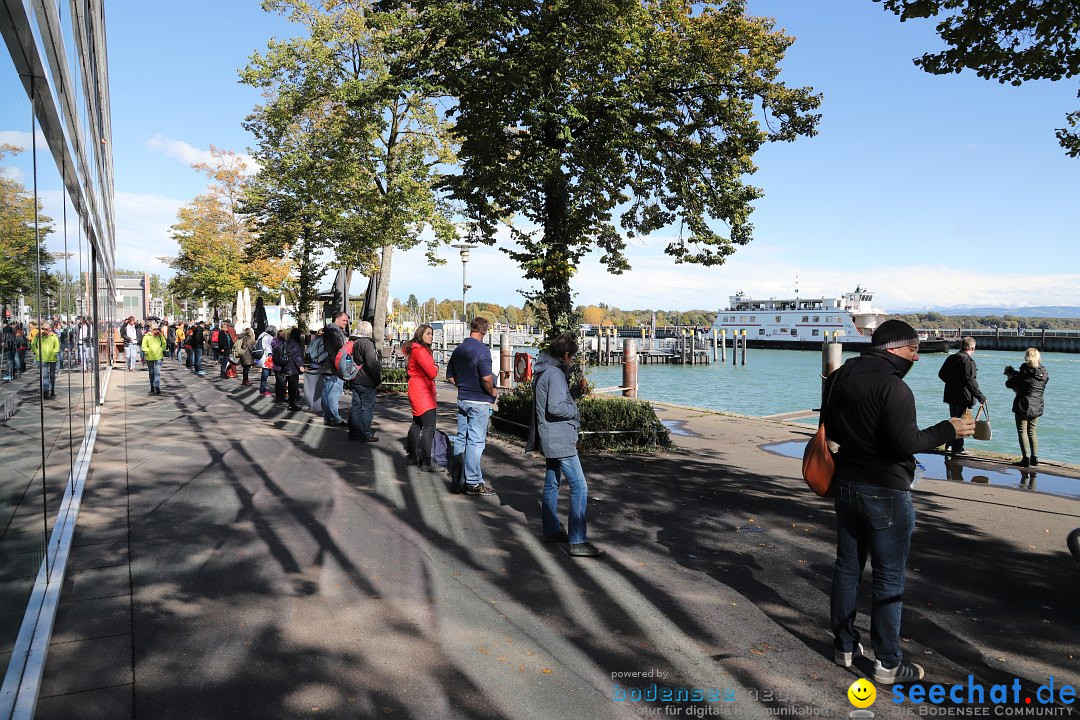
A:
641,429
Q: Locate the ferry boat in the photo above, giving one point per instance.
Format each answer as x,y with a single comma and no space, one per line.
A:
801,323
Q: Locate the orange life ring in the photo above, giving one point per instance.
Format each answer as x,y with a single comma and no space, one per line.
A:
522,367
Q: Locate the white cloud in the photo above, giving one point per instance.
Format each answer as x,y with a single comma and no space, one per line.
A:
22,139
189,154
760,270
142,231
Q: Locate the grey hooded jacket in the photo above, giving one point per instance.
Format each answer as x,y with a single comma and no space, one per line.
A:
555,414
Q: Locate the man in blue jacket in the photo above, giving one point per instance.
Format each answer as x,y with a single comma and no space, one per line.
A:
470,370
554,432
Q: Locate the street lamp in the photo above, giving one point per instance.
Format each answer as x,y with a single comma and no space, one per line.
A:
464,248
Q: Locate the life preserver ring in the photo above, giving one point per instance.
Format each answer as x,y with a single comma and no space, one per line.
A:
522,367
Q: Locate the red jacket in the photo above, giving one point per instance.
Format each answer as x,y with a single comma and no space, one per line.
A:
422,372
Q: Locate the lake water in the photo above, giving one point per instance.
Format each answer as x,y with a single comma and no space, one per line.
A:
779,381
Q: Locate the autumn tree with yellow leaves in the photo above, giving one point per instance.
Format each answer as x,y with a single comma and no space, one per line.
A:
215,235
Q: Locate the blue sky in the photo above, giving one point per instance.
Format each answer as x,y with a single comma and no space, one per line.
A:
930,190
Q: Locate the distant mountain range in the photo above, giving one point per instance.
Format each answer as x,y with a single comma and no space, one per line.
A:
1039,311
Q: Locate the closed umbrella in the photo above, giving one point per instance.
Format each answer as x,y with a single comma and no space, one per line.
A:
368,313
258,318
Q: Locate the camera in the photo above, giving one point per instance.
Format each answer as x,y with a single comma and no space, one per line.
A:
1010,370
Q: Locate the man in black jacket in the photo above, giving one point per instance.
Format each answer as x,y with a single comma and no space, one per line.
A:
870,412
961,388
364,385
334,337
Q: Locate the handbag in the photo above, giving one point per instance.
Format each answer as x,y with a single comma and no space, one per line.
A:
819,465
982,427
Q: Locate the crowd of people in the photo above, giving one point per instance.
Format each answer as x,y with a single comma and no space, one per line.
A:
334,358
53,346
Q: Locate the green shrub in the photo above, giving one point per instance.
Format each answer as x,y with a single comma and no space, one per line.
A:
394,380
600,416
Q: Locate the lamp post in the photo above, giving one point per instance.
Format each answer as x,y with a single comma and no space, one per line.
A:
464,248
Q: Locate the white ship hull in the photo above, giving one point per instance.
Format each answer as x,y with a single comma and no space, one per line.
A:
801,322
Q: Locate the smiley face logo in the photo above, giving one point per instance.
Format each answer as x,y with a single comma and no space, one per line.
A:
862,693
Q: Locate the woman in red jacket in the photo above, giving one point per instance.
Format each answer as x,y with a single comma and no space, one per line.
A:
422,371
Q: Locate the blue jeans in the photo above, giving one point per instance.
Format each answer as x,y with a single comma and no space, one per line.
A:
132,353
197,352
13,364
570,468
86,356
224,359
362,411
154,366
48,378
878,521
331,393
472,425
264,386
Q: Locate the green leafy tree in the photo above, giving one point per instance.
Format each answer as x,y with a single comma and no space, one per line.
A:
384,138
599,122
295,198
1010,42
23,230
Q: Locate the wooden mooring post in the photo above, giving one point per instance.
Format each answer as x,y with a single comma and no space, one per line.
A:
723,346
831,354
506,361
629,368
743,347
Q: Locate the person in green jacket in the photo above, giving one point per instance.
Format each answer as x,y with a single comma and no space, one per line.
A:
153,347
46,348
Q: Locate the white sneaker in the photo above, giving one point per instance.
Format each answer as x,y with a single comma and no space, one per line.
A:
904,672
844,659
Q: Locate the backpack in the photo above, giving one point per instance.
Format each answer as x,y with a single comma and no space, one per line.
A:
280,356
344,364
214,336
440,448
317,350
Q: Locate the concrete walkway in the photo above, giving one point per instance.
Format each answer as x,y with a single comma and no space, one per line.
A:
235,560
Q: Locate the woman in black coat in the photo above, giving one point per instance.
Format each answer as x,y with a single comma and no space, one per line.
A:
294,365
1028,383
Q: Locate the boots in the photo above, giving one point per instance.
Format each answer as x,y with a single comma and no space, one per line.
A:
1034,461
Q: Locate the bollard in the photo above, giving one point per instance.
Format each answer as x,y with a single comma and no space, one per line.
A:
506,361
743,347
830,360
714,344
723,346
629,368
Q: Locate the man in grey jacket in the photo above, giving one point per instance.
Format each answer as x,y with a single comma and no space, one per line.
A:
554,432
364,385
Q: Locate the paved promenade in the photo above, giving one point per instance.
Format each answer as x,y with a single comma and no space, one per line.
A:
234,560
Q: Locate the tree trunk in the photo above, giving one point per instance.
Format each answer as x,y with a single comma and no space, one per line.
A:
306,285
558,264
382,294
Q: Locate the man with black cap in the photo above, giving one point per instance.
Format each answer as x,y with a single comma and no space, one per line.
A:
870,412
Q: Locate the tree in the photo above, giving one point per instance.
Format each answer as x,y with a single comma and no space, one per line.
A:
24,261
593,315
296,197
214,236
385,137
1010,42
567,113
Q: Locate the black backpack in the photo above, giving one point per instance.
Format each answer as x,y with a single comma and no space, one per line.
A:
279,354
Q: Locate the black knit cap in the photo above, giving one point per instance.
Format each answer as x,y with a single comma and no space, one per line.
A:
893,334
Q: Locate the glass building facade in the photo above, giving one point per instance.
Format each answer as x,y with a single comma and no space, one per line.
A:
58,301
